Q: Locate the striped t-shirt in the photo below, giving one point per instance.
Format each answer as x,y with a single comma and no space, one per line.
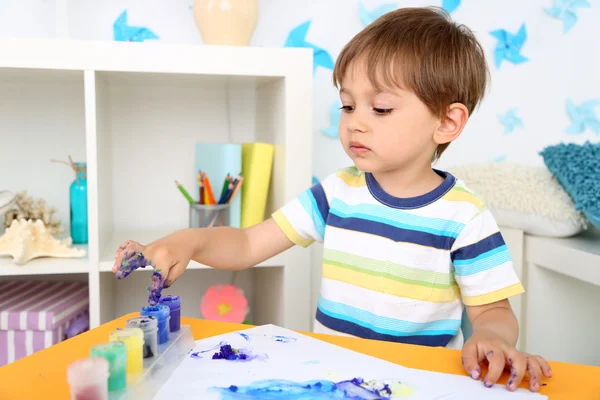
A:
400,269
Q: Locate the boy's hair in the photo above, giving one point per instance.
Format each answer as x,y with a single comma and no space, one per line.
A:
422,50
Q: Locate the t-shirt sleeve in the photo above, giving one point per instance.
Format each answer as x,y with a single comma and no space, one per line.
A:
303,218
483,266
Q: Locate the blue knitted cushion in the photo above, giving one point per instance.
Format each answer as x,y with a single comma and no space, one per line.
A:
577,169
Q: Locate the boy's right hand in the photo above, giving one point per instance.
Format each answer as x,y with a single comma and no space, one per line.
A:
169,256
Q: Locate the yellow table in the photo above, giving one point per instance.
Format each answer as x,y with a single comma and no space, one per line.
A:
43,374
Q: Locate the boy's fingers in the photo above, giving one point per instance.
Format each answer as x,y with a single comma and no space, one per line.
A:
470,361
174,273
546,370
496,361
517,370
129,257
535,373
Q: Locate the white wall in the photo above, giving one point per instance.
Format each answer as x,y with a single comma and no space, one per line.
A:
560,64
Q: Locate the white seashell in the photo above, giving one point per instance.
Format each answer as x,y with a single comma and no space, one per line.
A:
25,240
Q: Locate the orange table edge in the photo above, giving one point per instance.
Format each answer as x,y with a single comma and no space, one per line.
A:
43,375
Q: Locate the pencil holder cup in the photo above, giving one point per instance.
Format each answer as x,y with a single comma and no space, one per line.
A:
209,215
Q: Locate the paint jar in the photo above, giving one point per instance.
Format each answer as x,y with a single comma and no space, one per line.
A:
134,341
174,304
148,325
115,353
162,314
87,379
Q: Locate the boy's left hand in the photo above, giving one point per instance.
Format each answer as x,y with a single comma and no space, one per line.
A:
487,346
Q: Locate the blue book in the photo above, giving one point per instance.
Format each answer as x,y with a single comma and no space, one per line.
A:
218,160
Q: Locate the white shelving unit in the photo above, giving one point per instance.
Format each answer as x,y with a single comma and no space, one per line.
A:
133,112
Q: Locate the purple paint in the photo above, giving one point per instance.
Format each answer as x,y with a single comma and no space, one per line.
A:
155,288
174,304
131,261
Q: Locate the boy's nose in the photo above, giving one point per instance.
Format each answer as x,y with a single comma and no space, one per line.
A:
356,123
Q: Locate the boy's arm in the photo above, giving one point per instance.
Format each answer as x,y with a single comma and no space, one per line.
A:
497,317
236,249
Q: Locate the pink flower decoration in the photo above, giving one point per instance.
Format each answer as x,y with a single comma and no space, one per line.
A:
224,303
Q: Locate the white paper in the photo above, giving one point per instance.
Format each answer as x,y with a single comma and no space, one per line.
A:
288,355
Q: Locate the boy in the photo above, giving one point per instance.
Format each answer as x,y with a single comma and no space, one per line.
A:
406,245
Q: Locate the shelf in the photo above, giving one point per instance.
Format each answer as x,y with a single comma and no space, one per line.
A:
145,237
46,265
580,253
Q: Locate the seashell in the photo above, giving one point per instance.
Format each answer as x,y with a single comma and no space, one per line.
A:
25,240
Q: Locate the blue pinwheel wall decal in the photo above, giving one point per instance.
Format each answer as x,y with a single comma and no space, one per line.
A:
566,11
297,38
123,32
334,122
509,46
510,120
583,116
450,5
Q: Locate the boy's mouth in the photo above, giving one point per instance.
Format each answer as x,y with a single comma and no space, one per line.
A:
358,148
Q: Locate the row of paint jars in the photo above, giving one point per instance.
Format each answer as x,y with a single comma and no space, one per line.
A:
113,363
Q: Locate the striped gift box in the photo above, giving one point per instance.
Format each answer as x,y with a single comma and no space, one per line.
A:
36,314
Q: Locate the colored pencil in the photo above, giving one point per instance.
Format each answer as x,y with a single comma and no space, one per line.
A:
211,198
184,192
224,188
200,188
236,189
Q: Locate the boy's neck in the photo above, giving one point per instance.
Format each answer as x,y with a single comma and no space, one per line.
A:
408,182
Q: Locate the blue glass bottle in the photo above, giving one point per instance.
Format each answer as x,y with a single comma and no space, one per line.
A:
79,205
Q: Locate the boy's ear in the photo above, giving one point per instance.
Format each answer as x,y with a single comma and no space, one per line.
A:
452,124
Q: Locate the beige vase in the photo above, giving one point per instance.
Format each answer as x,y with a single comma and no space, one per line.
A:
226,22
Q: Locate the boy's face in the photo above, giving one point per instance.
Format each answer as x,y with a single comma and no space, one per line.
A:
384,131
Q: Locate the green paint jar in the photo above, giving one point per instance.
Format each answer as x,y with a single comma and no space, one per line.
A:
115,353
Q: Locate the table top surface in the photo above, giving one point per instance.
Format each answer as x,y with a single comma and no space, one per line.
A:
43,374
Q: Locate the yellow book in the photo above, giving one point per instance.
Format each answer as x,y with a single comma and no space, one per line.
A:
257,163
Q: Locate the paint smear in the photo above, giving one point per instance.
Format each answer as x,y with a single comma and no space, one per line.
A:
284,339
310,362
224,351
354,389
245,336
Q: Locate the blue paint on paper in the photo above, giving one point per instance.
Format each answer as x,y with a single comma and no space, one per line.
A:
583,116
315,180
335,115
123,32
450,5
297,38
245,336
509,46
566,11
354,389
367,17
510,120
311,362
500,158
224,351
284,339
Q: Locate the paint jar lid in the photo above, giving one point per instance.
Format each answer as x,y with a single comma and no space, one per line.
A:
87,372
114,351
174,302
161,312
128,335
147,323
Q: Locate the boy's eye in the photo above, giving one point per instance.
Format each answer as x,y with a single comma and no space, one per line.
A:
347,108
382,111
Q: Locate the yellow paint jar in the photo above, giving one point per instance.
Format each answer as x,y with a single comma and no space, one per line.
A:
134,341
